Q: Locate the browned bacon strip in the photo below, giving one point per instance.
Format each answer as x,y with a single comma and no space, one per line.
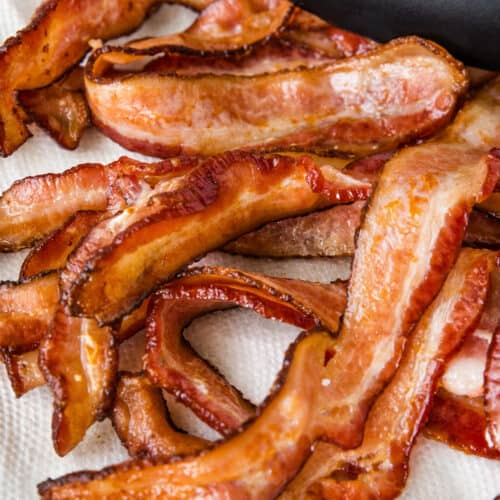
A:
26,310
140,418
379,467
61,108
408,88
23,371
34,207
171,363
124,257
492,392
58,35
258,462
79,362
460,422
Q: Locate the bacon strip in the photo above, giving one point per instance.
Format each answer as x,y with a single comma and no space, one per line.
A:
406,247
23,371
379,467
34,207
140,418
126,256
492,391
79,361
26,310
459,422
61,108
235,468
408,88
171,363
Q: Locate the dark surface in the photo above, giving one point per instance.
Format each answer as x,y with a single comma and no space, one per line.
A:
469,29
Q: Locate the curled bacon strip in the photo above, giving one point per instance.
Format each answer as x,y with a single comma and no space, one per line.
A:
172,365
140,419
408,89
79,361
235,468
126,256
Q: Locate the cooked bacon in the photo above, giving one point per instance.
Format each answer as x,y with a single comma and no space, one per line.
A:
492,391
26,310
404,90
464,374
34,207
52,253
460,422
329,233
259,461
79,361
23,371
332,232
126,256
172,365
140,418
407,244
54,41
379,467
60,108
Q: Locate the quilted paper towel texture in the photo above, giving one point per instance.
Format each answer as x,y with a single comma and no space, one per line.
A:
247,349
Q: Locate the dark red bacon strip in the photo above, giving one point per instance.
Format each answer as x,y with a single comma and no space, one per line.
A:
404,90
171,363
126,256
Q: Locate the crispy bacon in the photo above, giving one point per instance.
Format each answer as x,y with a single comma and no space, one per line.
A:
60,108
54,41
492,391
281,437
460,422
140,419
26,310
23,371
126,256
407,244
379,467
404,90
34,207
79,361
172,365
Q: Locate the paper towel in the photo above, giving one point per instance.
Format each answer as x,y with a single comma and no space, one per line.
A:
245,347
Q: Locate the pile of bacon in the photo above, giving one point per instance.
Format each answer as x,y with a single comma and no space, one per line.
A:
241,104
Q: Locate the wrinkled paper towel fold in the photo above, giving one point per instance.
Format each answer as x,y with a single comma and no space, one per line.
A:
247,349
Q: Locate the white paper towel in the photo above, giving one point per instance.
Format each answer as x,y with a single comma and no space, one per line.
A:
247,349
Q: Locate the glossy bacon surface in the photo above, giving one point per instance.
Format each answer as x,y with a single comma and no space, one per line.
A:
54,41
126,256
379,467
404,90
140,418
60,109
26,310
407,244
33,207
258,462
79,362
459,422
171,363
